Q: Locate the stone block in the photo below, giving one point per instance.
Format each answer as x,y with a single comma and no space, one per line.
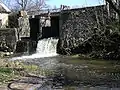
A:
8,38
26,46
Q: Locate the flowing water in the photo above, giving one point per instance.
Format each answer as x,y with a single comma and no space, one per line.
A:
45,48
73,72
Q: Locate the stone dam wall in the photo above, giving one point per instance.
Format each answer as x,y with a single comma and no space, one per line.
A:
78,25
78,30
8,39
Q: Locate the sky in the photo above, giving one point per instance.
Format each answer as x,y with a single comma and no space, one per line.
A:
74,3
71,3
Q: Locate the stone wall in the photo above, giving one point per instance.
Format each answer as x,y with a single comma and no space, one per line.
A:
26,46
24,27
4,20
78,25
21,23
13,20
8,39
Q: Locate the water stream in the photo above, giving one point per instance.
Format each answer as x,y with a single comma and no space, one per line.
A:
45,48
74,72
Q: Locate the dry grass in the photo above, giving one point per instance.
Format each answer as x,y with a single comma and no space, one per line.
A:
10,70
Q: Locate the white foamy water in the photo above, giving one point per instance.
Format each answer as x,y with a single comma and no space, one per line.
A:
45,48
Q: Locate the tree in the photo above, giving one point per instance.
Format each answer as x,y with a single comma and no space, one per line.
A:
30,5
23,3
115,4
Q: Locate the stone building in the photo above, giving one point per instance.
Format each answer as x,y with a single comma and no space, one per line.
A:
4,12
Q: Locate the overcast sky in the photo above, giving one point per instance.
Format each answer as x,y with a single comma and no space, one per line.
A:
80,3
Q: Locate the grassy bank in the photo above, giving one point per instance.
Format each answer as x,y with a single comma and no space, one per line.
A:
10,70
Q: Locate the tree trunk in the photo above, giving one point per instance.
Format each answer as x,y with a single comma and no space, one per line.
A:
116,9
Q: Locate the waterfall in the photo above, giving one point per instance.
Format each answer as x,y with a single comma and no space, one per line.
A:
45,48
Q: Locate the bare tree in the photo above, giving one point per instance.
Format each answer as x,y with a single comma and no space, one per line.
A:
40,4
30,5
114,5
22,3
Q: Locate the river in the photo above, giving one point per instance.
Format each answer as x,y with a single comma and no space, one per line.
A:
73,72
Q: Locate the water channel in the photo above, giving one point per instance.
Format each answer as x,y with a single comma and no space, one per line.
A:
73,72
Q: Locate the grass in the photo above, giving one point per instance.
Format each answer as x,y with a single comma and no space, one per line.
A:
69,88
10,70
5,70
14,70
6,75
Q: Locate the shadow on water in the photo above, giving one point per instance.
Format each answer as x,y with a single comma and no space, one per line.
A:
76,73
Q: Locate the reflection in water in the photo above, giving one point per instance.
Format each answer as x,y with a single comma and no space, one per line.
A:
80,73
73,73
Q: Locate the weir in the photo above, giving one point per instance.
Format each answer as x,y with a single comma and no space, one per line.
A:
45,48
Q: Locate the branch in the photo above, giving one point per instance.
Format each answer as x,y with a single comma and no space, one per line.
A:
114,6
19,3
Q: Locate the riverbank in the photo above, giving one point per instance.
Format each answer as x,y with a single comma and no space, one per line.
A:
62,72
102,43
80,72
11,71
